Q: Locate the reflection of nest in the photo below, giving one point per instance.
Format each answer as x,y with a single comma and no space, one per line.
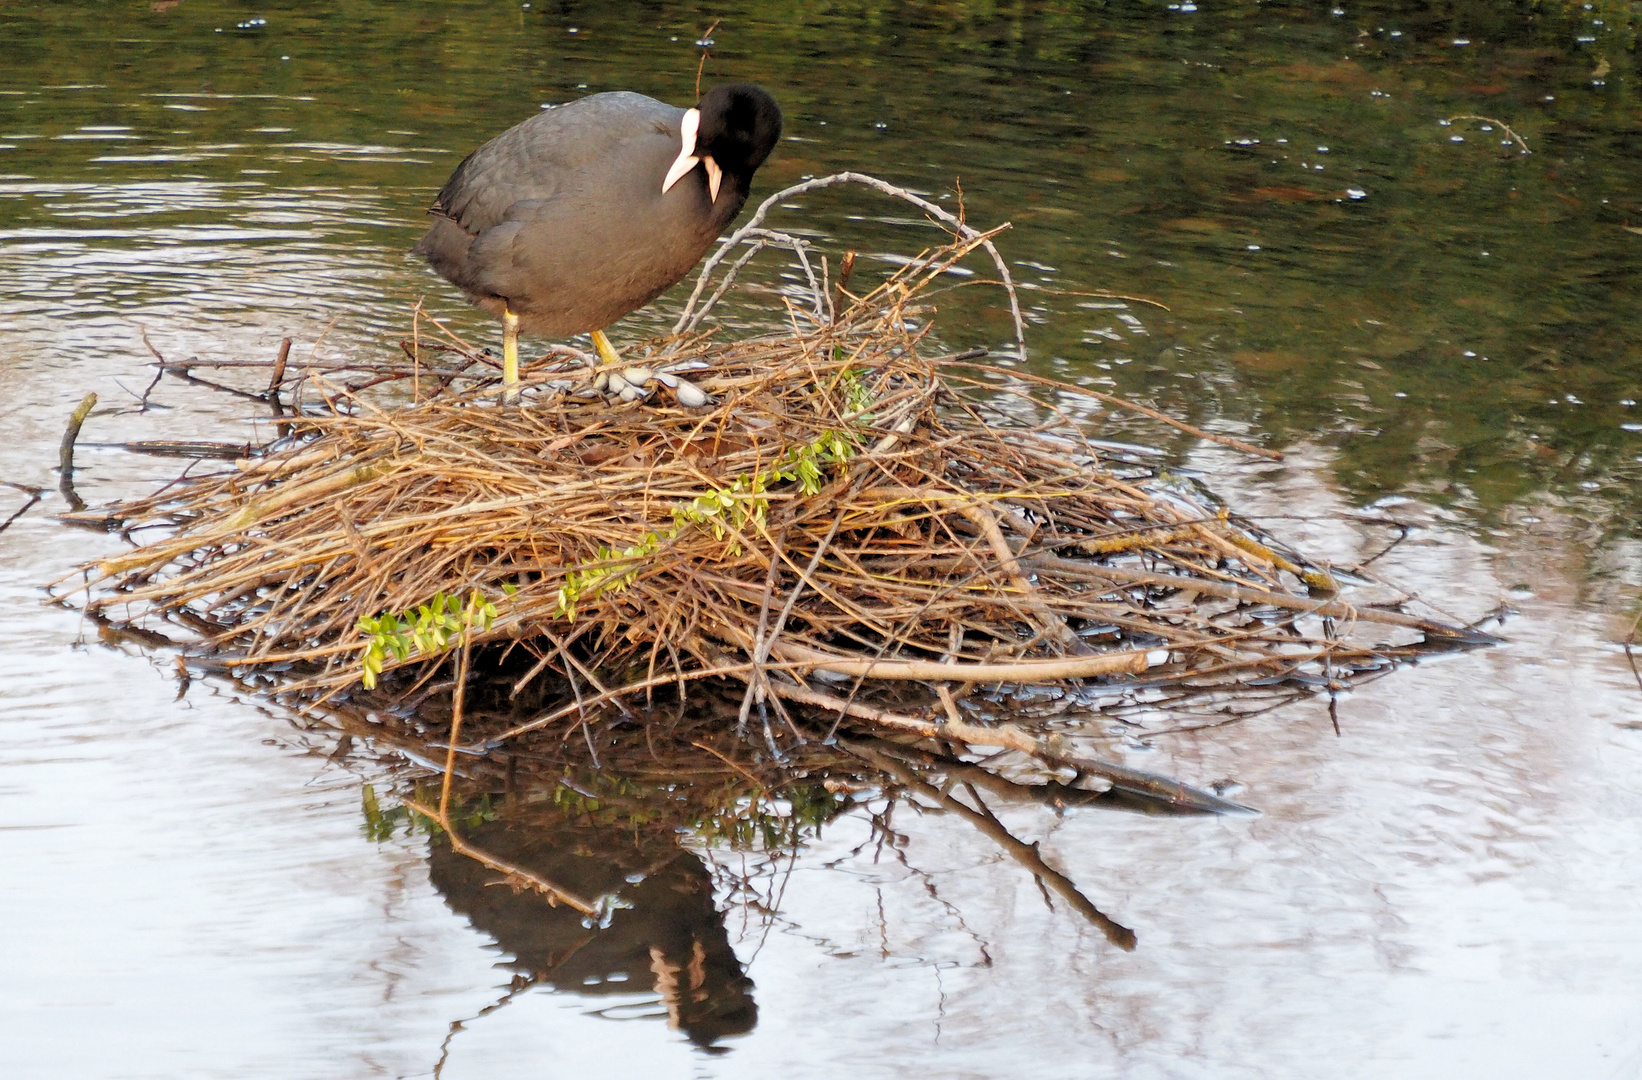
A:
587,827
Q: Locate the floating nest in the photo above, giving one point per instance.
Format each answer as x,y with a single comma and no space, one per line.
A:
855,525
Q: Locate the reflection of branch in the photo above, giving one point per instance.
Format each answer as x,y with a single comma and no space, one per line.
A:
757,783
1010,737
1630,641
1490,120
34,497
951,909
554,893
1025,854
1050,793
442,814
519,984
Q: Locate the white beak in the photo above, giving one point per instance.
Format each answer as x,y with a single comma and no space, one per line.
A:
714,176
687,158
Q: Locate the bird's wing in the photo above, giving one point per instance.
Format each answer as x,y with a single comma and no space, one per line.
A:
519,173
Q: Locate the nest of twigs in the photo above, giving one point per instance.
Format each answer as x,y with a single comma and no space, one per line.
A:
854,523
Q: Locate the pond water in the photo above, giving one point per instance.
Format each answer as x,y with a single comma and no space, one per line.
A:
1359,265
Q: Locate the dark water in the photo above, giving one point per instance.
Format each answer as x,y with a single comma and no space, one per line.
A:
1442,331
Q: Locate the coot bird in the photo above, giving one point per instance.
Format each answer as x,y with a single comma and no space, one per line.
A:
568,221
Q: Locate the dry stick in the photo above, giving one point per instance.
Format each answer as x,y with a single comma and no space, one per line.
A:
182,370
1026,854
363,366
762,646
800,247
845,266
755,685
826,288
1026,672
162,448
286,462
707,38
764,208
278,375
544,661
725,283
1053,623
158,375
1050,792
571,662
458,699
1050,750
250,514
65,452
65,449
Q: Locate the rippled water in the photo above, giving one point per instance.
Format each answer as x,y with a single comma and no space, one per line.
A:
1445,889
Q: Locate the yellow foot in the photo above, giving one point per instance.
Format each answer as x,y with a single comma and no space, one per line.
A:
510,356
607,351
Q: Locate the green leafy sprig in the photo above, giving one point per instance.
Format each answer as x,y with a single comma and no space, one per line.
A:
723,511
428,630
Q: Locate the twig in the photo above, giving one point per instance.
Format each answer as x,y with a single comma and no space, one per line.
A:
183,371
277,376
1124,575
705,41
761,648
1053,623
163,448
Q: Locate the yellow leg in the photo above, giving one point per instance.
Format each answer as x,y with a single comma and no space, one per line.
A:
607,351
510,356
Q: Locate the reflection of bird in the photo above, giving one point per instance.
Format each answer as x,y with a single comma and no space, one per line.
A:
564,223
667,936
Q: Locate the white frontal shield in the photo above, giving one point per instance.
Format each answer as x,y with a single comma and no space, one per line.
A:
686,159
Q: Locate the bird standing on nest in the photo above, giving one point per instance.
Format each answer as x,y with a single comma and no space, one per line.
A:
568,221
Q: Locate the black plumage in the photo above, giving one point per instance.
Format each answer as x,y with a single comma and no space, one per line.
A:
563,222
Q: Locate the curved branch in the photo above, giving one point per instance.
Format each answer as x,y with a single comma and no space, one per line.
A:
754,224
